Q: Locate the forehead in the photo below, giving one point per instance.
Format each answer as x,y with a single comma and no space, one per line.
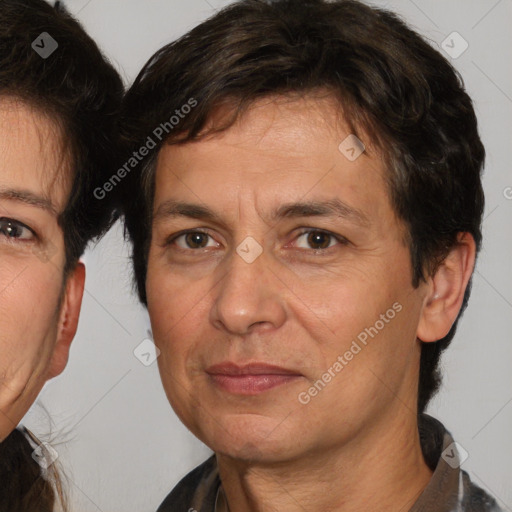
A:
280,146
32,152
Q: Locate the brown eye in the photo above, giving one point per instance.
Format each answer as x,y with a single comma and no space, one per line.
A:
12,229
316,240
193,240
196,240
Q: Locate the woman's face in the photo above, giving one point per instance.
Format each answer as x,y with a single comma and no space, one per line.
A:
38,308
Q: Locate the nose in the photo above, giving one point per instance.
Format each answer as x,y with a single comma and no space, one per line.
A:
249,297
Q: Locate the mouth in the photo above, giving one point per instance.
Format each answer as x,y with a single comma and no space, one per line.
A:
250,379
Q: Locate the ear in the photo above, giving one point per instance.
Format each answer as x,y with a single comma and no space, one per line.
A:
446,290
68,320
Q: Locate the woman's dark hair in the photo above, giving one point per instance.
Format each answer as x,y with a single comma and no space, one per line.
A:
79,90
23,488
81,93
392,86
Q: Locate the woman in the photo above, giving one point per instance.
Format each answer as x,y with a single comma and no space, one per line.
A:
58,103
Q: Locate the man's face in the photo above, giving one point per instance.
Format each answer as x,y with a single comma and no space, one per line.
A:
35,315
266,355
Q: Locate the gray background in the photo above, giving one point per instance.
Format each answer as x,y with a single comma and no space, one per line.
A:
120,444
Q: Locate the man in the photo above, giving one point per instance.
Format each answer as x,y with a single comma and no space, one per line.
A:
305,226
58,104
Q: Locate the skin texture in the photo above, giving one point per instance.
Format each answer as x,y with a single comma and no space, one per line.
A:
299,305
38,309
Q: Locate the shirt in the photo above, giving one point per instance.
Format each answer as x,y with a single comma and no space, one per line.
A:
449,490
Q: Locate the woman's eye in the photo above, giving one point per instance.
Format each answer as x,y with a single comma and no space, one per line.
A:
318,240
15,230
193,240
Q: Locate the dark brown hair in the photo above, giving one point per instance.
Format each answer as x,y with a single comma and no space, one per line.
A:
23,487
391,84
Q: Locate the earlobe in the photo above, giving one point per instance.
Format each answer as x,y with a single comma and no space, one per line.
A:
68,321
446,290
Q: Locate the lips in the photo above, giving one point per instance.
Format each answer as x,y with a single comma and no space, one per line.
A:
250,379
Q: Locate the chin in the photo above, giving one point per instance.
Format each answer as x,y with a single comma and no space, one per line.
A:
250,437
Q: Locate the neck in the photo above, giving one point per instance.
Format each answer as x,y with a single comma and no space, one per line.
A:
378,471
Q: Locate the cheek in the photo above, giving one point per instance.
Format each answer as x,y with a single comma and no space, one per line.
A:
372,353
28,318
335,308
173,312
370,316
175,327
31,295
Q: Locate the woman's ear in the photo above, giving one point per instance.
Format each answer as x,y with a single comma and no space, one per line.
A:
447,286
68,321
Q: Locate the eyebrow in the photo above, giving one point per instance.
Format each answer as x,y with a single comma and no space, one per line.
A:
26,197
330,208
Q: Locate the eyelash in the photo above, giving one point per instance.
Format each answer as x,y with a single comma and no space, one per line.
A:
17,224
340,239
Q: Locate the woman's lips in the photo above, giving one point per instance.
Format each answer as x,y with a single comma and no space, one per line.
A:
250,379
